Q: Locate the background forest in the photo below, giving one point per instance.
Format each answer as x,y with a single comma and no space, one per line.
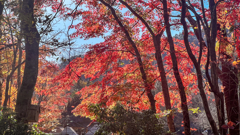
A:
135,66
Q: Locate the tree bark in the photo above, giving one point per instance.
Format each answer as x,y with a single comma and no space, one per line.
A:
184,105
1,16
238,99
158,56
147,84
212,34
7,83
1,75
197,66
8,80
1,81
230,83
19,69
165,89
32,38
229,78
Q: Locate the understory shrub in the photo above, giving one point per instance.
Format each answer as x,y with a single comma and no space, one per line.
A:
10,126
126,122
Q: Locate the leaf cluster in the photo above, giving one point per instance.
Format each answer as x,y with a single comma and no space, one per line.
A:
122,121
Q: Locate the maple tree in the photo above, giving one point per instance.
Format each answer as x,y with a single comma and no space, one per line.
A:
51,101
139,49
130,41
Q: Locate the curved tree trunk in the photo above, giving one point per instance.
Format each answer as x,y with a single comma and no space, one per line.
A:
147,84
211,37
184,105
197,65
157,43
8,80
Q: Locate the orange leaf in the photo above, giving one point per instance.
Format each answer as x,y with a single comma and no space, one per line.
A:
230,123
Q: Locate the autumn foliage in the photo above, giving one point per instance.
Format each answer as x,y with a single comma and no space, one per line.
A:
191,48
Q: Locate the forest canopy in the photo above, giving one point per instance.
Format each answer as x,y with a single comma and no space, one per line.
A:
167,57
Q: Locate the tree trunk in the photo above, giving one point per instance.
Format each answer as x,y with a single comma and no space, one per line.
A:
197,66
176,72
229,78
211,34
19,69
214,75
7,83
165,89
32,38
238,101
230,83
1,75
158,56
8,80
1,16
148,85
1,81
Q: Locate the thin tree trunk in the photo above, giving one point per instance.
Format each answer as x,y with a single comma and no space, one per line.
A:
1,81
19,69
176,72
8,80
32,38
217,94
230,83
9,77
147,84
1,16
238,101
1,75
7,83
165,89
197,66
214,76
158,56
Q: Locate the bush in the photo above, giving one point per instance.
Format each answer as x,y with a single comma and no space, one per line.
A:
10,126
122,121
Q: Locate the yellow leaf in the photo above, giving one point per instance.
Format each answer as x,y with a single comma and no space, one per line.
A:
234,63
217,46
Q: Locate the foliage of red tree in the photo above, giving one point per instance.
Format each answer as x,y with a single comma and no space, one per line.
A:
139,48
52,101
117,60
123,65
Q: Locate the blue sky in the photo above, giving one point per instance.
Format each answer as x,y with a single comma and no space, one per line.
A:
77,47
